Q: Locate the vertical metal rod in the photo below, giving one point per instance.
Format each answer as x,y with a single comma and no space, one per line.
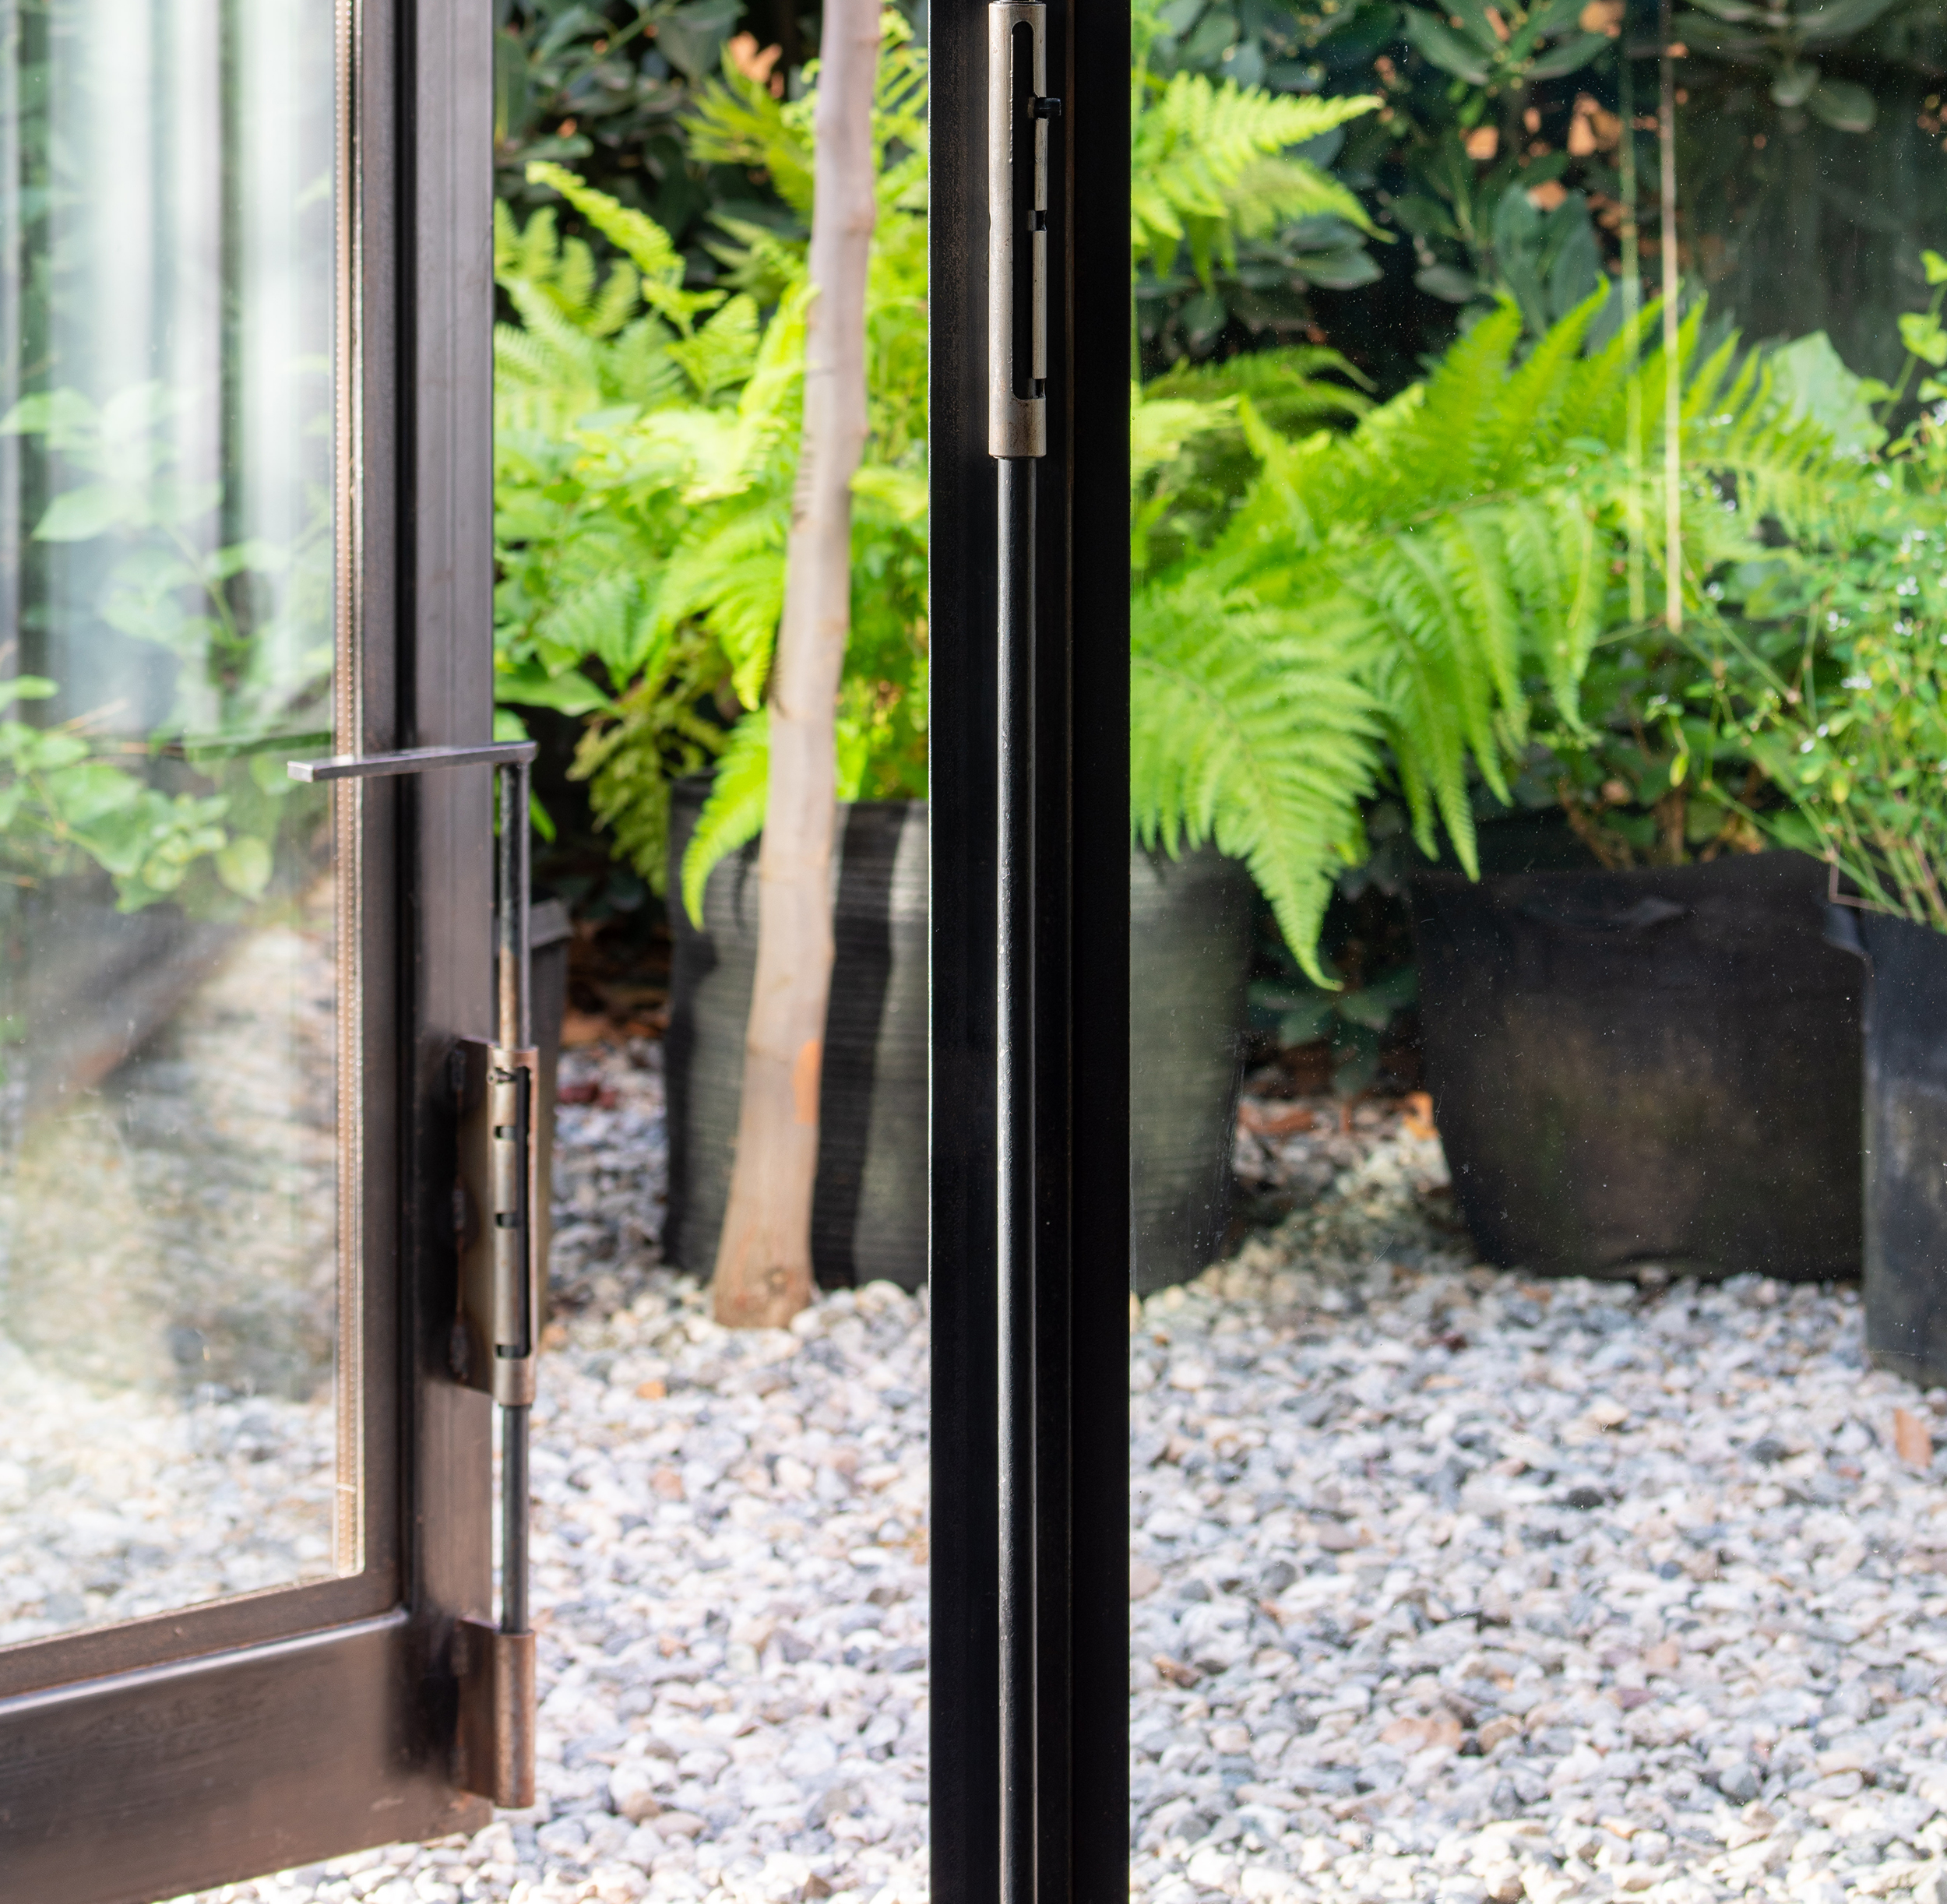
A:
523,899
515,1016
513,1519
1672,287
1016,1177
509,912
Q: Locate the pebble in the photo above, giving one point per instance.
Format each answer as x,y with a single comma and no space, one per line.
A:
1446,1583
172,1438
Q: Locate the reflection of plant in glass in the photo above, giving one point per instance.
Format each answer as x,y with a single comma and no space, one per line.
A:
247,622
1832,660
1780,39
66,802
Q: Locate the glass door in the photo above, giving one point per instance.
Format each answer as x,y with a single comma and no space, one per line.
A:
242,1498
173,976
1535,1348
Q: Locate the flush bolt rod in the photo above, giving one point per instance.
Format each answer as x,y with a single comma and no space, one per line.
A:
516,1030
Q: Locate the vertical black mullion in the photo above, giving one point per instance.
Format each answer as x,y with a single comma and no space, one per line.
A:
1055,1110
1088,448
1020,1225
1076,989
961,618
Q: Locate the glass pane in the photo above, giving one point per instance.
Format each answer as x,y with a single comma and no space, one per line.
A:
1536,1364
171,1115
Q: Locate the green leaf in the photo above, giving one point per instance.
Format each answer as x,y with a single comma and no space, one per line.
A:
1935,267
1571,56
1920,332
1445,281
87,511
83,792
1446,49
734,814
243,865
528,684
1844,105
1813,382
65,416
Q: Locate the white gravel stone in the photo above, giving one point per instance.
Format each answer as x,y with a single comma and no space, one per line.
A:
1447,1583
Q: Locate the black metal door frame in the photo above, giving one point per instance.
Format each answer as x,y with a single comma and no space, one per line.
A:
1031,1684
223,1741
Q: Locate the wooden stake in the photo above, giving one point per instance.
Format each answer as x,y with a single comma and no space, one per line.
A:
763,1275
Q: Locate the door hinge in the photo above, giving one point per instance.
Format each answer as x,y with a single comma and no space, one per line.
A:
496,1732
499,1191
1017,112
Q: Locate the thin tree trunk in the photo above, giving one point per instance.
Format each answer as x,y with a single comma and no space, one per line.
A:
764,1258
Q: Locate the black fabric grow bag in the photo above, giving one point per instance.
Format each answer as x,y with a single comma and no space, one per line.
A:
1906,1141
869,1204
1189,960
1660,1065
1190,929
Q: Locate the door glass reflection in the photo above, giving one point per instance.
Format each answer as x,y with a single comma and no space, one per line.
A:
169,1103
1536,548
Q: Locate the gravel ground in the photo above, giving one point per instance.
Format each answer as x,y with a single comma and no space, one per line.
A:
1446,1584
171,1437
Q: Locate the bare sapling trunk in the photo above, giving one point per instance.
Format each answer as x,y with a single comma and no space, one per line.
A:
763,1273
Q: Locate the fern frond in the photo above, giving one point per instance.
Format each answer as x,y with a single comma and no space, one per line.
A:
723,352
734,814
1208,163
603,616
639,237
731,575
1246,730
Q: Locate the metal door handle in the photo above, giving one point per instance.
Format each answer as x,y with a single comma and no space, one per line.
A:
411,760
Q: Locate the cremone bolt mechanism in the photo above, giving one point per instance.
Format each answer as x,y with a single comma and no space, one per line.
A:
1019,113
496,1089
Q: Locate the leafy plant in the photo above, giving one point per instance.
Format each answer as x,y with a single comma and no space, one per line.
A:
603,86
1832,669
247,621
1407,599
647,447
1234,176
1783,38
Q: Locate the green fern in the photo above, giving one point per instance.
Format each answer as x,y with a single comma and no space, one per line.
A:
1447,567
645,441
733,814
1209,166
1249,728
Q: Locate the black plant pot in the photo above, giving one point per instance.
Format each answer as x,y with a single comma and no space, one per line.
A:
1190,923
1189,960
1653,1066
869,1204
1906,1141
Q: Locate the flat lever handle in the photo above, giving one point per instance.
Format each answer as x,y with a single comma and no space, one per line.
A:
411,760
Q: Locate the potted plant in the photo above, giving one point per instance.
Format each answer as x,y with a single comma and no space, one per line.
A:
645,503
1856,738
641,508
